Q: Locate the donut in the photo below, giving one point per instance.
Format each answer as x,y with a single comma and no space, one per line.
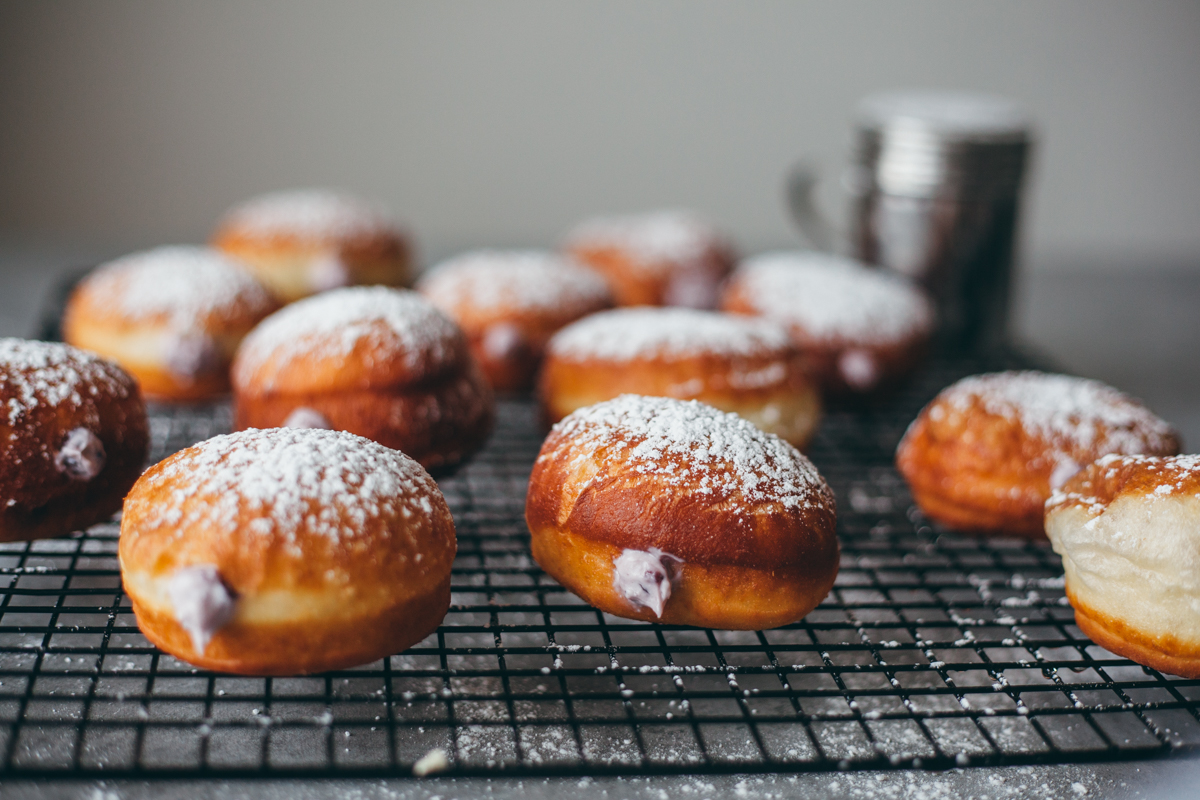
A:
74,439
741,364
381,363
661,258
1128,531
172,317
307,241
509,302
985,454
669,511
286,551
860,328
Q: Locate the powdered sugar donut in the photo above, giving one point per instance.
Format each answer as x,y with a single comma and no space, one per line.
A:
662,258
859,328
671,511
172,317
286,551
986,453
1128,531
382,363
306,241
741,364
509,302
75,438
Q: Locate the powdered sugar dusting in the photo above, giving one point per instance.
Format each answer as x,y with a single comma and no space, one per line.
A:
1175,473
1073,415
657,241
275,481
644,332
525,280
184,284
34,374
829,296
332,323
695,445
307,213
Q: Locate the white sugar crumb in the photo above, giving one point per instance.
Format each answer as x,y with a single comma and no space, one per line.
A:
1173,472
275,481
181,283
658,241
643,332
436,760
532,280
34,374
1074,415
331,324
308,213
829,296
695,445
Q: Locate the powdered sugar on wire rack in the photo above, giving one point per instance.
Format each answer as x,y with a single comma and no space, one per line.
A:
696,446
646,332
532,280
829,296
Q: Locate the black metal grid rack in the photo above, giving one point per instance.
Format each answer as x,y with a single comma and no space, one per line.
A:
933,649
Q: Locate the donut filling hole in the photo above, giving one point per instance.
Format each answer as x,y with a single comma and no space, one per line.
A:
644,578
202,602
82,456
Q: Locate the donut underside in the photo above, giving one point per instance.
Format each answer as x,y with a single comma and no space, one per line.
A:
305,646
398,419
1163,653
721,597
966,517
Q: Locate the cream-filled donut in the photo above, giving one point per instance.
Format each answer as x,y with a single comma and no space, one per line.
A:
509,302
172,317
859,328
305,241
742,364
286,551
663,510
1128,531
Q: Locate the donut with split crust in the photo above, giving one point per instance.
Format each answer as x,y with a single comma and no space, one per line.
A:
509,303
861,329
172,317
286,552
668,511
985,454
381,363
660,258
306,241
1128,531
741,364
75,439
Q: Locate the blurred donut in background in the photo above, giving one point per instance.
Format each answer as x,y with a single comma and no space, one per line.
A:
509,303
860,328
172,317
306,241
661,258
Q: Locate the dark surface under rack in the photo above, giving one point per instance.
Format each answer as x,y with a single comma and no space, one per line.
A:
933,649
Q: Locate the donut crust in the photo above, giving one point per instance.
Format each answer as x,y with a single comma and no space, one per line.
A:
1163,653
41,501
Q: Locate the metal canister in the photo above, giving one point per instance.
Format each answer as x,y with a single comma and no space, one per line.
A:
936,187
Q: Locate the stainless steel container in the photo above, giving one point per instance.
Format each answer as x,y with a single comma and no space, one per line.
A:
935,188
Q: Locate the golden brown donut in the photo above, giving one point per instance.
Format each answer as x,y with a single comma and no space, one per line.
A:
286,551
860,329
307,241
740,364
74,439
509,302
985,454
662,258
382,363
662,510
172,317
1128,531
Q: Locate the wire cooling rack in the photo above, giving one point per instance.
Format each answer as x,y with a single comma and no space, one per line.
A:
933,649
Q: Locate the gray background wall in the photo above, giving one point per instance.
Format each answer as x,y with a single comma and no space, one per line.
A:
124,124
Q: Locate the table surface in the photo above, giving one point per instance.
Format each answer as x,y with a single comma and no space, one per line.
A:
1138,332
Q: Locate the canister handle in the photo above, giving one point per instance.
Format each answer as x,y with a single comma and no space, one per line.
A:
801,203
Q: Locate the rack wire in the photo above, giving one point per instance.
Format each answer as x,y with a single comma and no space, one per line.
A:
932,650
